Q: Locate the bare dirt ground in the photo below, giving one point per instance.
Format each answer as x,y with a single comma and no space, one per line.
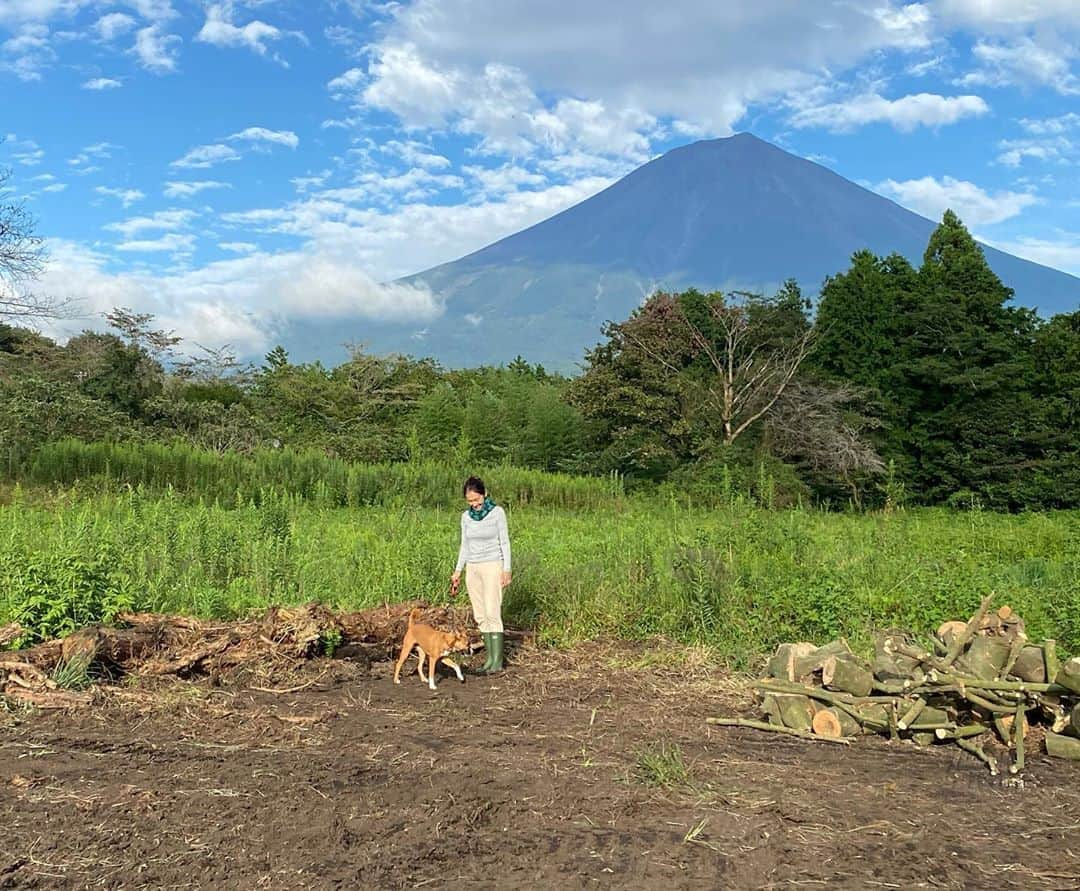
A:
533,778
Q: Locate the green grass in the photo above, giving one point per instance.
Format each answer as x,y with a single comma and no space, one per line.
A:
662,766
737,579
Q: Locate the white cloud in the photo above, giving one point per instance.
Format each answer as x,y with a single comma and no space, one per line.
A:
1051,149
111,26
1050,126
219,30
307,183
127,197
1025,62
173,242
155,50
162,219
499,180
207,156
174,189
238,247
346,83
27,53
904,114
1062,252
998,13
243,301
102,83
409,238
417,154
455,62
261,134
55,187
932,197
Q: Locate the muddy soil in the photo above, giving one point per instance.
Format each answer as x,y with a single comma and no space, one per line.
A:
566,772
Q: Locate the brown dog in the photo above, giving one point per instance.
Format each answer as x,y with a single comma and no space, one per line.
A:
433,645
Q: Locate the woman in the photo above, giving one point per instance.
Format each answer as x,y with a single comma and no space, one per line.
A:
485,556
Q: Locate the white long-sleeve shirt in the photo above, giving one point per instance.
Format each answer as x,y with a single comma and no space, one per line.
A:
486,540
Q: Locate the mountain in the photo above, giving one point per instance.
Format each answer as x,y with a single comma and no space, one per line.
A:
717,214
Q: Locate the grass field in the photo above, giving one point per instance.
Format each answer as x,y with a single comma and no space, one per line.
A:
737,579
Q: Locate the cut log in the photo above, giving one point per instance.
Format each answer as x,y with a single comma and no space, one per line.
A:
1030,665
965,732
929,718
782,663
1061,746
847,675
813,661
761,725
923,739
796,711
1053,666
826,723
770,708
948,632
1069,675
911,714
985,657
1074,721
973,625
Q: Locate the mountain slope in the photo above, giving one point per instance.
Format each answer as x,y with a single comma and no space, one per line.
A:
723,213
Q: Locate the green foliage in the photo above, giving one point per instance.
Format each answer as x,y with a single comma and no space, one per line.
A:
231,478
53,593
662,765
736,578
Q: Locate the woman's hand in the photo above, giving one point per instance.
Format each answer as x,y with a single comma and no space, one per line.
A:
505,579
455,583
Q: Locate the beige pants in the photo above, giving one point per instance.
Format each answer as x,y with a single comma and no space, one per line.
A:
483,581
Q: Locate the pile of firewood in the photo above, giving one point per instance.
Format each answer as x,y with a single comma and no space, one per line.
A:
983,687
151,644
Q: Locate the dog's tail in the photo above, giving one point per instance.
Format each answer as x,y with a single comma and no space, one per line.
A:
414,615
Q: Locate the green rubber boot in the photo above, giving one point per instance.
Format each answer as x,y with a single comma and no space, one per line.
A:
496,652
489,652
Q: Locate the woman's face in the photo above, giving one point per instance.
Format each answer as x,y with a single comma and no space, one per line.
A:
474,499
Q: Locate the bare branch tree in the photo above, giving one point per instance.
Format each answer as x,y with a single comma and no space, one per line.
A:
22,259
825,426
750,366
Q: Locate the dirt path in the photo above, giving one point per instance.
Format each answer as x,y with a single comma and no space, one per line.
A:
531,779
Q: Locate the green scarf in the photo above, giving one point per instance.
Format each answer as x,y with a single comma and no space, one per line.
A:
487,508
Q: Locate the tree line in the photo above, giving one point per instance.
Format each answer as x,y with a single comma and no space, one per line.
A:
919,384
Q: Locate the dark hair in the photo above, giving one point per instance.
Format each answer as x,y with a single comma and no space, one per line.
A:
474,484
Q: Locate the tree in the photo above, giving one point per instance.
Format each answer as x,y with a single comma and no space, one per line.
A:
965,369
22,259
746,348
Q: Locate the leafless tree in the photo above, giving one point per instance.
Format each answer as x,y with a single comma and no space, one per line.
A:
22,259
825,426
751,363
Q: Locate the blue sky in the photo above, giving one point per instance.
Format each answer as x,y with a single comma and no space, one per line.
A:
234,166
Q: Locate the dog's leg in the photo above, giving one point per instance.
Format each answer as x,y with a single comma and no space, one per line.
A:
432,659
456,667
406,650
420,657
